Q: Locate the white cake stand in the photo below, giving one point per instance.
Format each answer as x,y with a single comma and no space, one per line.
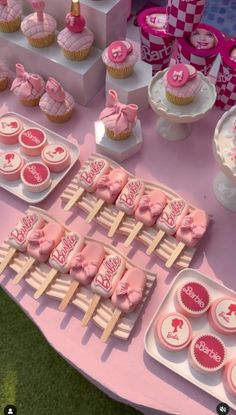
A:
223,147
175,121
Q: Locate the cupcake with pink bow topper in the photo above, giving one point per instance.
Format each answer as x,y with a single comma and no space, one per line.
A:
118,119
56,104
39,27
4,76
10,16
120,58
28,87
76,39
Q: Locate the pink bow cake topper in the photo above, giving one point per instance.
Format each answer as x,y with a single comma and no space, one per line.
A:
124,116
189,225
38,6
154,208
37,238
74,21
134,295
82,268
25,82
55,90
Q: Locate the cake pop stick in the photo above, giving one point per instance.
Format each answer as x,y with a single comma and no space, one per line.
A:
19,236
126,297
87,179
149,208
127,202
103,285
189,233
61,258
169,221
108,188
40,244
83,269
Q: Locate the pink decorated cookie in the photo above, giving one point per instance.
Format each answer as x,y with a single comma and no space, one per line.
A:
56,104
110,185
207,353
192,228
39,27
130,196
182,83
118,119
32,141
129,290
173,331
192,299
35,177
172,216
11,164
229,378
42,241
89,175
10,15
56,157
10,128
109,273
62,256
150,207
86,263
27,87
120,57
19,235
4,76
222,315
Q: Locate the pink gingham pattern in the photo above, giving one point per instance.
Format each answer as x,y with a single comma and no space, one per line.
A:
226,88
183,16
201,63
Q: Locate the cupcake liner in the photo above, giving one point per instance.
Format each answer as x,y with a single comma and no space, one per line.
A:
77,55
122,136
59,118
11,26
183,16
120,72
3,84
179,100
42,42
30,102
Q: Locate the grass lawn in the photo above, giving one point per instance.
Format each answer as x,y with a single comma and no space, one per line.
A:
36,379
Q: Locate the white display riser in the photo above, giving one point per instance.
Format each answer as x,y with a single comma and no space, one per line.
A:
83,79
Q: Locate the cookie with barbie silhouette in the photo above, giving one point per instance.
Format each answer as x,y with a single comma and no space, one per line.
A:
56,157
173,331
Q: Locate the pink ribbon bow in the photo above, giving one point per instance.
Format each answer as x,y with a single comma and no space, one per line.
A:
154,208
83,268
134,295
124,115
113,186
55,90
188,225
25,82
37,238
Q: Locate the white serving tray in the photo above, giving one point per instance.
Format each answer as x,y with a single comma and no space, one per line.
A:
16,187
178,361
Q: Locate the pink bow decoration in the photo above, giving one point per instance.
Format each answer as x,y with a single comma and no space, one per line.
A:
55,90
134,295
188,225
25,82
38,6
113,186
178,75
124,114
154,208
37,238
116,52
83,268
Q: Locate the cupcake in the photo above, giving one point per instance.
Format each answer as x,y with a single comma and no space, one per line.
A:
192,299
76,39
120,58
182,83
10,16
207,353
28,87
173,331
222,315
118,119
4,76
56,104
39,27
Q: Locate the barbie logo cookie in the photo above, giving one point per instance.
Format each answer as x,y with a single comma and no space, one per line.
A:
222,315
173,331
11,164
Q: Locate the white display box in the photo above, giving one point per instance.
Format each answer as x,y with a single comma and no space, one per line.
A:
118,150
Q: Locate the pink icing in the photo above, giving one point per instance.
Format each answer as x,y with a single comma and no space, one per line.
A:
86,263
9,10
4,71
27,85
192,228
75,41
56,101
32,137
35,173
32,27
74,23
130,59
117,51
110,185
42,241
194,297
187,88
129,291
209,351
150,207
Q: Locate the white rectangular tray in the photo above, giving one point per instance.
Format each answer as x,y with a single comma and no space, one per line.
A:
16,187
178,361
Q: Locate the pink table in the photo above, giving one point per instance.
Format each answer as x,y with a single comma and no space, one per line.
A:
122,368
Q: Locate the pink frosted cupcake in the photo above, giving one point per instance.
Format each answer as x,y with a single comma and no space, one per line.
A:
4,76
39,27
28,87
120,58
10,16
76,39
182,83
56,104
229,378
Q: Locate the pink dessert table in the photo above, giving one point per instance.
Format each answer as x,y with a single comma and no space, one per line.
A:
122,368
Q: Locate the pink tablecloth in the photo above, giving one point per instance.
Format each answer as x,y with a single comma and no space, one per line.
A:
123,367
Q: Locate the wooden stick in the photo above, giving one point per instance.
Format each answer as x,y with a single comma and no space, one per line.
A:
74,199
160,234
171,260
89,313
94,211
45,284
135,231
24,270
70,293
7,259
116,223
110,326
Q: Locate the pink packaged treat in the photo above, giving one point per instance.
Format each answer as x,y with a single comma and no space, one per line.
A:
222,315
56,157
150,207
110,185
226,81
42,241
11,164
4,76
109,273
192,228
10,128
35,177
173,331
207,353
10,15
229,378
172,216
183,16
32,141
19,236
129,290
91,173
62,255
27,87
156,44
120,57
86,263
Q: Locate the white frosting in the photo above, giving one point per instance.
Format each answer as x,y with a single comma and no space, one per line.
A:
109,273
65,251
175,337
226,320
89,174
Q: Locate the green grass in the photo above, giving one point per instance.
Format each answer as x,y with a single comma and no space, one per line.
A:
36,379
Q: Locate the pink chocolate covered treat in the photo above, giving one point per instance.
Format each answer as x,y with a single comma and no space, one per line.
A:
173,331
150,207
42,241
10,15
192,228
109,273
62,255
20,234
110,185
10,128
32,141
207,353
89,175
86,263
120,58
130,196
56,157
129,290
27,87
35,177
172,216
56,104
222,315
4,76
229,378
11,164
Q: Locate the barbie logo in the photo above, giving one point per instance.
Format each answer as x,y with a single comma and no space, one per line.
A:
177,324
104,279
133,191
176,208
27,224
153,56
94,169
67,245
